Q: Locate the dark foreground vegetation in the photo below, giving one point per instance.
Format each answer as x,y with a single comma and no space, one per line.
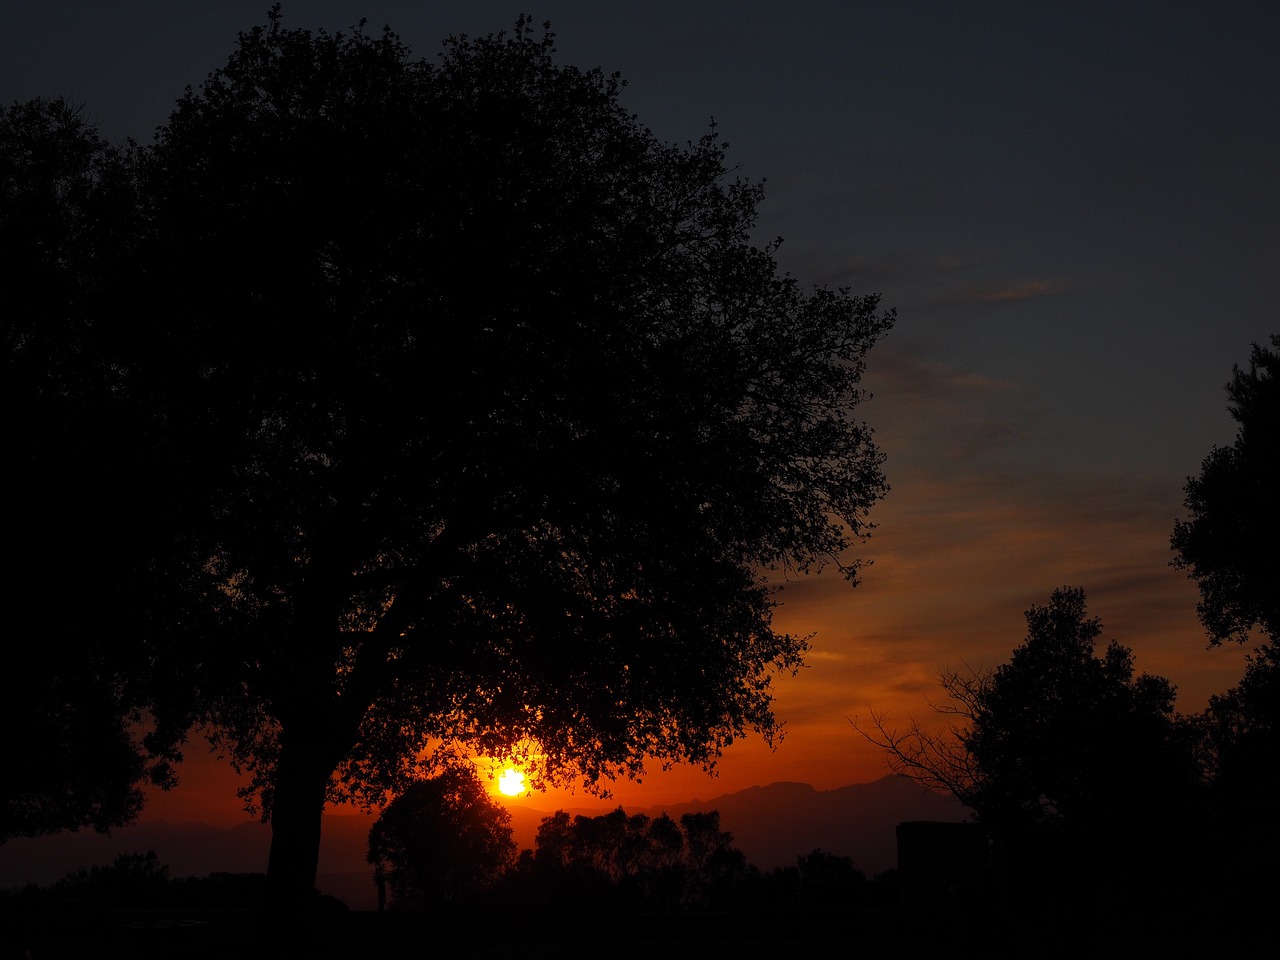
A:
633,886
45,926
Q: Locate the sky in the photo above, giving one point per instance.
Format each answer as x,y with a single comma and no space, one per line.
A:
1073,208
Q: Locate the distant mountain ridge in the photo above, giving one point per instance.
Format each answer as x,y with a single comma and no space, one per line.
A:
772,825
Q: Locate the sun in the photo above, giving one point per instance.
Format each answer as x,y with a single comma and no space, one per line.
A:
511,783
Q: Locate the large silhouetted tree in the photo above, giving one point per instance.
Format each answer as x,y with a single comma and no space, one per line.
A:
1230,543
486,418
77,575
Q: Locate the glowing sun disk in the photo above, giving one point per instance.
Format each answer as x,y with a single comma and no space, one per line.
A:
511,782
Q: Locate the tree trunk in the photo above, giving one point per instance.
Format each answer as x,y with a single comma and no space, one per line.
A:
296,809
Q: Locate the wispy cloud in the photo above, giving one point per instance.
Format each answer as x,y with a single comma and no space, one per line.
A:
962,549
905,373
1015,291
884,267
933,417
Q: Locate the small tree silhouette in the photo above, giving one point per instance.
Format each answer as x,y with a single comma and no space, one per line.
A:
829,880
441,841
616,861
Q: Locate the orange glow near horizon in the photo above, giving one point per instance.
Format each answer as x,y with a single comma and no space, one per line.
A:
955,567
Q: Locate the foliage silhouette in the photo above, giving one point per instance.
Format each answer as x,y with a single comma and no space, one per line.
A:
1058,735
442,841
131,879
829,880
78,564
621,862
1081,771
1241,750
1229,543
1241,728
714,867
484,419
140,881
618,863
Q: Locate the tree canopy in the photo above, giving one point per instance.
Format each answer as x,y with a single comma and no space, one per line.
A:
620,861
1242,742
77,570
1058,737
1081,771
1230,543
473,418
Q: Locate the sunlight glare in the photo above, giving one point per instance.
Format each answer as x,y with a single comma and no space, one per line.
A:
511,782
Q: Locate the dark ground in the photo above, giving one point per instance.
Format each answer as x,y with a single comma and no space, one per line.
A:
93,931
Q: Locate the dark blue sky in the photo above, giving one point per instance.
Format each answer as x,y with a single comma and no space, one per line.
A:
1074,208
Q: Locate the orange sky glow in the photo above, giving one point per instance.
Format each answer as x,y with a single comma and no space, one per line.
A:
1077,227
953,568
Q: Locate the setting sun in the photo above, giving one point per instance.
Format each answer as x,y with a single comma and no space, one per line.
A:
511,782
